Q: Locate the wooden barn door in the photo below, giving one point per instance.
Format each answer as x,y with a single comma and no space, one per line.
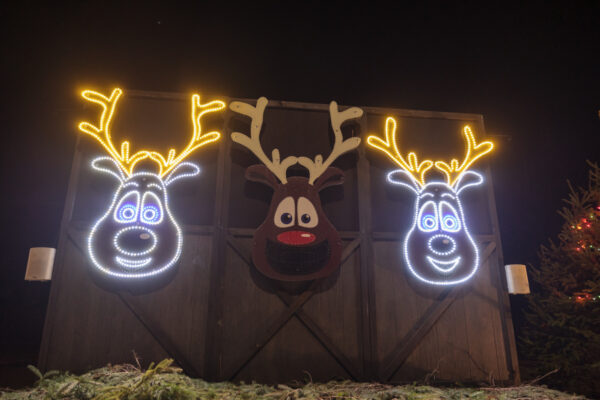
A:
222,320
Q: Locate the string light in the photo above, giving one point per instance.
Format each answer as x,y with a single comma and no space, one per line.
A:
123,158
389,147
438,213
469,250
140,203
136,224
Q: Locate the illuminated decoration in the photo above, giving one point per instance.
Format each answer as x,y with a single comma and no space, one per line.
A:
138,237
296,242
438,248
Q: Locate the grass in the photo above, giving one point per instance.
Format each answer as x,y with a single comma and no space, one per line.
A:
164,381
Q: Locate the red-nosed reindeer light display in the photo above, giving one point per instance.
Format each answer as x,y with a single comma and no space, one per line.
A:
296,241
138,237
438,248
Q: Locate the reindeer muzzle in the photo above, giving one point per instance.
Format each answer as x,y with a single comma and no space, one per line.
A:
297,260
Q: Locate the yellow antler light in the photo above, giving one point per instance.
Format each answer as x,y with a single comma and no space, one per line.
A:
454,171
389,146
102,133
198,139
127,162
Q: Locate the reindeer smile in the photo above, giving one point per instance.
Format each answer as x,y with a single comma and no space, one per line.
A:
444,266
133,264
298,260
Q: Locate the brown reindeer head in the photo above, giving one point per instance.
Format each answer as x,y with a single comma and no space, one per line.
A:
296,241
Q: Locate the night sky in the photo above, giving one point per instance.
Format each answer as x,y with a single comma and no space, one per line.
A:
532,71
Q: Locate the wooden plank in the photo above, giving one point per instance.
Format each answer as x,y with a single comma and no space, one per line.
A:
60,256
213,322
508,332
394,236
418,331
271,330
294,105
367,331
322,337
481,304
92,327
245,254
137,309
158,333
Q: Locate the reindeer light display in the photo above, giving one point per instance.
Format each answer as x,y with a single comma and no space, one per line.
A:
438,248
296,241
138,237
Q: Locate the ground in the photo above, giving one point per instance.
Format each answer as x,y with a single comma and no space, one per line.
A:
163,381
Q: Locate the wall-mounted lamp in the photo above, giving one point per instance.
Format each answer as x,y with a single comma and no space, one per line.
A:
40,264
516,278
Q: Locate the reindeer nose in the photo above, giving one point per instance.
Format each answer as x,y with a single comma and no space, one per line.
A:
135,241
442,245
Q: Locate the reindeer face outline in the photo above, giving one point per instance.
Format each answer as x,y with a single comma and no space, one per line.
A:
138,236
296,241
438,248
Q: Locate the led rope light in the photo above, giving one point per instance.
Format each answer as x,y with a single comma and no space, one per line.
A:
438,248
133,264
129,263
135,228
443,237
444,266
140,203
438,264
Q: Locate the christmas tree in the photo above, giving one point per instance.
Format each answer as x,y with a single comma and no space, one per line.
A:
562,329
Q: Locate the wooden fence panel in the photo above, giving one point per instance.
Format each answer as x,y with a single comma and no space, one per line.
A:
221,319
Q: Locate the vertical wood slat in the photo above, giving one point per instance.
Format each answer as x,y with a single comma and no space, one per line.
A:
367,330
323,338
418,332
267,334
293,306
508,332
145,318
214,326
158,333
60,257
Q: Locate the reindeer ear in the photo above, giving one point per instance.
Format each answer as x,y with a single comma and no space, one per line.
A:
401,177
108,165
260,173
183,170
467,179
332,176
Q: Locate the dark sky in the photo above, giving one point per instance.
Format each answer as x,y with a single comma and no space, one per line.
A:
532,70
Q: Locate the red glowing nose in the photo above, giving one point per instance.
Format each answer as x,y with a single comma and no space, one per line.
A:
296,238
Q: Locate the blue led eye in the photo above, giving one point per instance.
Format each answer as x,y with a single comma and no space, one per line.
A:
450,219
127,212
450,222
428,221
151,214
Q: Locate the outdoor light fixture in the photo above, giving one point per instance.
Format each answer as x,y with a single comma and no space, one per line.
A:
40,264
438,248
516,279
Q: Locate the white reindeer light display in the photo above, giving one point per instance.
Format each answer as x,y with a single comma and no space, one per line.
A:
438,248
138,237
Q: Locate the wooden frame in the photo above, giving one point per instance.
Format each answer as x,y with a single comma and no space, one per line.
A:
227,240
